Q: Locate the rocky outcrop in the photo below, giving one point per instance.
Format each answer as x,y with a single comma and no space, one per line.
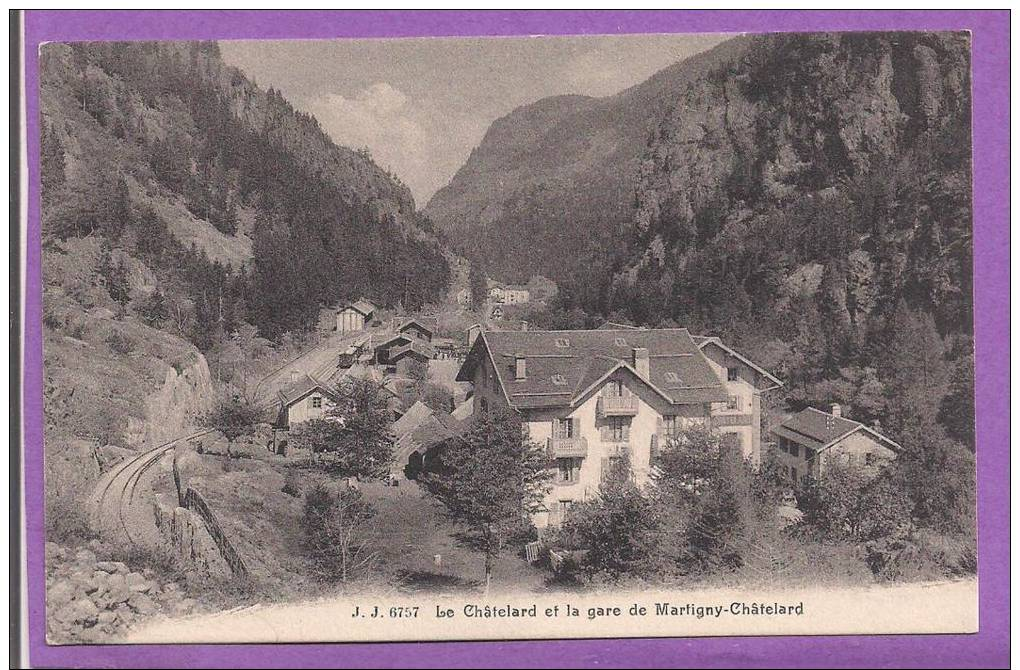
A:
185,396
95,601
186,539
560,174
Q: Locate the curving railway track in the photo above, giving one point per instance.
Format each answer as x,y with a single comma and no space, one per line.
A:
114,510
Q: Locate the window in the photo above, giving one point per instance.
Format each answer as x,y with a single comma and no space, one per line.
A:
618,429
621,342
732,374
870,458
795,450
562,342
614,388
559,380
670,425
733,402
565,428
317,401
566,470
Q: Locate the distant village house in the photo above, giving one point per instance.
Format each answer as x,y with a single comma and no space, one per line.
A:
304,399
352,317
811,440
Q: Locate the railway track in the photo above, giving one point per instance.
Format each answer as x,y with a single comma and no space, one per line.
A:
115,493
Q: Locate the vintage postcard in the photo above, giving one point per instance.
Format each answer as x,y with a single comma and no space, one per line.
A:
508,338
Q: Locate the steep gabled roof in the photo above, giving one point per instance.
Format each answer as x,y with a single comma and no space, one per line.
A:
363,307
703,341
820,430
416,322
423,349
420,428
301,387
563,365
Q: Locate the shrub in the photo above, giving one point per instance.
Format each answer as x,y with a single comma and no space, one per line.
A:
120,343
620,530
291,484
920,555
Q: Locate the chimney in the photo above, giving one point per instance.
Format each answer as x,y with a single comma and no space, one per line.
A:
520,367
836,410
641,362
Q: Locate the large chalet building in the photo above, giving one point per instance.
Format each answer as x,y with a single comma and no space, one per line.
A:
594,395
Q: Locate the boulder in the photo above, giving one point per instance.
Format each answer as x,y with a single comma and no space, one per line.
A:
112,566
81,611
85,557
106,617
117,590
142,603
59,593
137,582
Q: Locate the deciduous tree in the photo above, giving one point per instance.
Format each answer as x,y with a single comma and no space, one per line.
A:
490,479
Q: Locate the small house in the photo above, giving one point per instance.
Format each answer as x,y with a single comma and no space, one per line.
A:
417,436
352,317
812,440
304,399
397,352
417,329
516,295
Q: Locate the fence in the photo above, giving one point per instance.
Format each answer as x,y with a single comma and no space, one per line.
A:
194,501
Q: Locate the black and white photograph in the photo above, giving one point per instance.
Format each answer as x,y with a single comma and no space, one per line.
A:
508,337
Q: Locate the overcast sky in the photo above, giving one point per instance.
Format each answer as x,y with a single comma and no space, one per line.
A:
421,105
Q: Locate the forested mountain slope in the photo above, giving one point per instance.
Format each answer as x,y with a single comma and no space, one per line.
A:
809,199
550,189
172,157
184,210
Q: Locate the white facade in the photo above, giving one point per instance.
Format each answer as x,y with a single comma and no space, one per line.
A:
349,320
644,416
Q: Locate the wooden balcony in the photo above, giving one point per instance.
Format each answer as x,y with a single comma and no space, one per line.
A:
626,405
723,420
567,447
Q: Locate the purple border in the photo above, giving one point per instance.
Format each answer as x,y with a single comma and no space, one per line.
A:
988,648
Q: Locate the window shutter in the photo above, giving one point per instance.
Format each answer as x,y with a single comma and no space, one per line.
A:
604,433
576,424
626,431
555,428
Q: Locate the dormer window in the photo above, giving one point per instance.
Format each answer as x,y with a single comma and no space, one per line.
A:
559,380
562,342
621,342
317,401
672,378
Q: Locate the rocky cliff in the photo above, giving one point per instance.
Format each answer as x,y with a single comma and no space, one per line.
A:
550,189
